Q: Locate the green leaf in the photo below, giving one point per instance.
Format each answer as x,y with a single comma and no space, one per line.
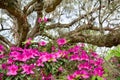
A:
93,78
99,78
118,78
9,78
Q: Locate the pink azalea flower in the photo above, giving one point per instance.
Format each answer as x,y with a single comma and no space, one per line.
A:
84,74
39,63
47,77
99,71
12,70
4,66
39,20
28,53
98,61
61,41
1,76
75,49
2,56
94,54
84,56
74,57
21,57
85,65
10,61
45,20
60,69
70,77
92,62
14,54
28,69
42,43
18,56
53,48
28,42
14,48
35,52
80,73
49,57
64,53
58,54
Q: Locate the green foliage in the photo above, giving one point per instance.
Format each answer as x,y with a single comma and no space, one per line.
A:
118,78
97,78
113,53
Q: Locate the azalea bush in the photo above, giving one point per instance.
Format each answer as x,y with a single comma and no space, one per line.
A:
31,62
50,61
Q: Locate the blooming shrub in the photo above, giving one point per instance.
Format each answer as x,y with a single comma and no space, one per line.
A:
44,61
32,62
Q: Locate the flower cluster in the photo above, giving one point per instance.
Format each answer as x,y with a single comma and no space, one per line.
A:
90,65
27,60
40,20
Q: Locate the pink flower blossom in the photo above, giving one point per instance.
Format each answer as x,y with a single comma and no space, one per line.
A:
28,42
39,63
76,49
39,20
49,57
75,57
45,19
94,54
84,74
70,77
61,41
14,48
28,69
98,61
84,56
10,61
47,77
28,54
14,54
60,69
99,71
4,66
42,43
12,70
79,73
53,48
20,57
2,56
1,76
85,65
57,54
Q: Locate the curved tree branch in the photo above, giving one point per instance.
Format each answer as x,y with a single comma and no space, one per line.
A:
5,40
52,26
29,5
53,6
13,7
107,40
36,28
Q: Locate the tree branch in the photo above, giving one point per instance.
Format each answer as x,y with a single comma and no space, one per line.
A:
13,7
2,28
53,6
28,5
3,39
36,28
52,26
107,40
